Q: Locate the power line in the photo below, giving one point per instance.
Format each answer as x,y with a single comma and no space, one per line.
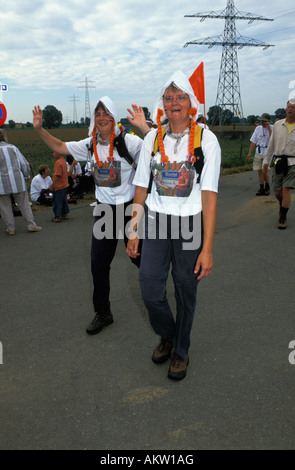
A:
228,91
86,87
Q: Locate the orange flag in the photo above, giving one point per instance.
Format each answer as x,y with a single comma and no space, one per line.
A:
197,82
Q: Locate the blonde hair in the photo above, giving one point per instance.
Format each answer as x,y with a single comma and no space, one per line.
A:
3,136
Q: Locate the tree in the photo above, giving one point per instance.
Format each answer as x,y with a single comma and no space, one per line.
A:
52,117
280,113
11,124
214,113
251,119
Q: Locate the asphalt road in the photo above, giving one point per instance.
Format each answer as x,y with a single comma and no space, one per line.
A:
63,389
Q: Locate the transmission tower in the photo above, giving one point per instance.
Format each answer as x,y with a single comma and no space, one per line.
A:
74,99
228,91
86,86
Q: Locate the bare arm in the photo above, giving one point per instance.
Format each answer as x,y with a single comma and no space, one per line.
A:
138,120
252,146
205,260
137,211
52,142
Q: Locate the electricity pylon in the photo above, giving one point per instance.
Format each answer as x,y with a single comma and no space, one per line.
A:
87,101
74,99
228,91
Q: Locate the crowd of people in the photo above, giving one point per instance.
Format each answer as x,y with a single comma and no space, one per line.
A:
166,182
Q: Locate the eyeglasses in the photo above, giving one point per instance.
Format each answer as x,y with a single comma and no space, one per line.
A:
179,99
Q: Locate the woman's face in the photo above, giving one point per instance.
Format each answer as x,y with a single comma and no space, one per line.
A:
104,123
177,105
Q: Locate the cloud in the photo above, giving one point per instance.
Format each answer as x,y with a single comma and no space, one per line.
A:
129,49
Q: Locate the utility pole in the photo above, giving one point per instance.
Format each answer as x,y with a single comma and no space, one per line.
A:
228,91
74,99
86,86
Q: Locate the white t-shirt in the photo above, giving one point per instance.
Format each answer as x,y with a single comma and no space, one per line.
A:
179,206
123,191
39,183
76,170
261,138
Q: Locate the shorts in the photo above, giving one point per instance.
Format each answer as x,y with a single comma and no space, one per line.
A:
258,161
280,181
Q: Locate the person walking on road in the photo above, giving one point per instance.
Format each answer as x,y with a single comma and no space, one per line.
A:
178,230
281,154
14,171
259,141
100,151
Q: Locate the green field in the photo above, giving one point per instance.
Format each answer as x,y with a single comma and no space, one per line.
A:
234,148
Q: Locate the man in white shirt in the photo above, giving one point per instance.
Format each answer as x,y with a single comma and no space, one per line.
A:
259,141
40,186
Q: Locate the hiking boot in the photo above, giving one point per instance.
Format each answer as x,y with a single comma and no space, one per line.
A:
101,319
178,366
282,222
260,192
162,351
267,190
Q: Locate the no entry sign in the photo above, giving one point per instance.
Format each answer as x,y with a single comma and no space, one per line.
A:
3,114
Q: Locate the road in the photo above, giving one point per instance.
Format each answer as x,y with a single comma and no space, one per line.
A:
63,389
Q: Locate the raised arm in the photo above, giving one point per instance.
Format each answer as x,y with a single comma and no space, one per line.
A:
137,119
52,142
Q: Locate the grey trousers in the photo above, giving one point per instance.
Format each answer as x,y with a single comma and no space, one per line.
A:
22,200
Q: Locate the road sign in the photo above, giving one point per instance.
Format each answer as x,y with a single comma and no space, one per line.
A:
3,114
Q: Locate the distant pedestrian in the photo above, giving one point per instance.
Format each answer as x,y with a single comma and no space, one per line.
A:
259,141
14,171
281,152
59,189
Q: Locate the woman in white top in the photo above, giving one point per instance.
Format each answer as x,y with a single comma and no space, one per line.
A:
178,230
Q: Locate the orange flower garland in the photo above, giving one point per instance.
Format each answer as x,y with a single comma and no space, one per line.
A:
164,158
191,158
111,149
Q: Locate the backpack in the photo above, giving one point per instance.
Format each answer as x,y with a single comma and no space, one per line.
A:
120,145
198,153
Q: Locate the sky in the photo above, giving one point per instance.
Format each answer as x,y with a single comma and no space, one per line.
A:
127,50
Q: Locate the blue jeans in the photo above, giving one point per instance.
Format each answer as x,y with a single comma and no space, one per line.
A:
156,258
60,203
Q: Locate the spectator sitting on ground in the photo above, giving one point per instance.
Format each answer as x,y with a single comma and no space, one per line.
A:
74,174
40,185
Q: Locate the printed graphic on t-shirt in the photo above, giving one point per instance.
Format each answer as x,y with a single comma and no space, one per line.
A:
173,179
108,175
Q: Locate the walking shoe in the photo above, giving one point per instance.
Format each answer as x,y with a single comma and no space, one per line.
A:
178,366
56,219
163,351
34,229
282,222
260,192
65,216
9,232
101,319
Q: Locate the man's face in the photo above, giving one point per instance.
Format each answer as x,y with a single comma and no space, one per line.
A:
264,123
290,110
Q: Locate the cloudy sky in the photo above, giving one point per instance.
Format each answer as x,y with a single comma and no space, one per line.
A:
128,49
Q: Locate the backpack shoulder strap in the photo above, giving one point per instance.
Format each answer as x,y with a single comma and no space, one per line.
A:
199,163
120,145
